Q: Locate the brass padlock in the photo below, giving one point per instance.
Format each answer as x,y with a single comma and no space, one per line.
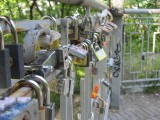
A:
98,52
73,30
82,62
101,106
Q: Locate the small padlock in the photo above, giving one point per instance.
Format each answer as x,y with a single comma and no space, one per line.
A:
16,51
5,72
71,76
63,83
102,106
99,53
74,30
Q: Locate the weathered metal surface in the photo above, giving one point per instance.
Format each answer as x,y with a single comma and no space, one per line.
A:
96,4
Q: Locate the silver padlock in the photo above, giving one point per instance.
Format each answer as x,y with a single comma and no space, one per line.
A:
35,86
32,84
49,107
71,76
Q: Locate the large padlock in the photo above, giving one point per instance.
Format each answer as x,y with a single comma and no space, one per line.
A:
49,107
5,72
16,51
74,30
32,84
98,53
35,86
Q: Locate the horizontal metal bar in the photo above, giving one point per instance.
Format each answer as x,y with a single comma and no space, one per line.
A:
141,80
138,86
141,23
96,4
26,25
141,11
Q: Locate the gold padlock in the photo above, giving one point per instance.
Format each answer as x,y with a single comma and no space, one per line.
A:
99,53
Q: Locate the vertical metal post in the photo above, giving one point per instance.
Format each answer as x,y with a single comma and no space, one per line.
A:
66,103
116,69
117,9
87,88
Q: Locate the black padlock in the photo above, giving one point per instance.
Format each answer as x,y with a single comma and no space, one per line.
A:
16,51
5,72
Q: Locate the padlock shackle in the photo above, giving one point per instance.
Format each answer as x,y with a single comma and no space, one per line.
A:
46,91
32,84
52,19
68,72
12,27
1,39
102,101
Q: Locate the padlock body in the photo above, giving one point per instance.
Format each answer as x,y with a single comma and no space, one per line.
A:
16,53
5,72
73,32
50,112
100,54
81,62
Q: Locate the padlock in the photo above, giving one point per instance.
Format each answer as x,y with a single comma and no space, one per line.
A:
77,51
56,44
49,107
73,30
32,84
5,72
45,87
71,76
98,52
82,62
35,86
102,106
16,51
62,86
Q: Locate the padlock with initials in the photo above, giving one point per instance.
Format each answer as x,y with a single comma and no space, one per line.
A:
16,51
98,53
5,72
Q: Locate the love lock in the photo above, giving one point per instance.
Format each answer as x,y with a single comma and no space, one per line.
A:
49,107
82,62
71,76
16,51
32,84
73,29
98,52
5,73
102,106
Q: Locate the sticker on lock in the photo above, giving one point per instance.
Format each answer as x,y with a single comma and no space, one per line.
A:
100,54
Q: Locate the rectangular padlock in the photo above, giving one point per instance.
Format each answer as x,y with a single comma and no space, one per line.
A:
16,54
100,54
50,112
77,51
5,73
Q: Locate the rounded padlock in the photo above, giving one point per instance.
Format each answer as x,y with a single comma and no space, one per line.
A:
16,51
41,81
32,84
5,72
